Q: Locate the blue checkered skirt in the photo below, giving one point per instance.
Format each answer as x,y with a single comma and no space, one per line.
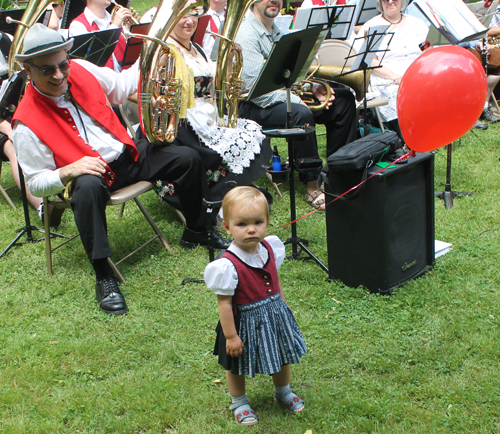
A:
270,335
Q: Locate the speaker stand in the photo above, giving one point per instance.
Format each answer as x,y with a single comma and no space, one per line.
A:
448,195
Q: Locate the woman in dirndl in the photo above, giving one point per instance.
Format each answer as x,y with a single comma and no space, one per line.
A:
257,332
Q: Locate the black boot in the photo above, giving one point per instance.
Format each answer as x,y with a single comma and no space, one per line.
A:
109,297
191,239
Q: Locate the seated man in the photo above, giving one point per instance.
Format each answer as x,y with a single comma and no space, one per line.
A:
66,132
256,36
95,17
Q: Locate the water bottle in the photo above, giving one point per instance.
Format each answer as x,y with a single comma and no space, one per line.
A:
276,160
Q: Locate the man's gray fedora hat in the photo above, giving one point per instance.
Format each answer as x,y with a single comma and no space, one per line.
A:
41,40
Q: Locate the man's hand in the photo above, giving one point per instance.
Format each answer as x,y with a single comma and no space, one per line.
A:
319,91
234,346
121,15
84,166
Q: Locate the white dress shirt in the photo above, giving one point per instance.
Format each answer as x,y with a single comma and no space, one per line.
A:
37,159
209,39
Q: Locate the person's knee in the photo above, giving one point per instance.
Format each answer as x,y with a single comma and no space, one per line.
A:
88,189
303,115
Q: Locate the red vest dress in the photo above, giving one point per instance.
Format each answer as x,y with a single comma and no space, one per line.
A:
254,284
55,127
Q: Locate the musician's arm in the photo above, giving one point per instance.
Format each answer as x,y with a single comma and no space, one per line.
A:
385,72
117,86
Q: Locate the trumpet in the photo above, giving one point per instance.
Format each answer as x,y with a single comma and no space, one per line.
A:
134,19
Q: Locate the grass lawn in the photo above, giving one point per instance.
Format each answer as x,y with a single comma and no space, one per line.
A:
423,360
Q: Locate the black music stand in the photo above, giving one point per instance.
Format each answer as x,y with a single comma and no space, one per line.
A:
368,10
288,63
134,45
363,60
96,47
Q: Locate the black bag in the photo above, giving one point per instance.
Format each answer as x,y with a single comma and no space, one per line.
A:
359,156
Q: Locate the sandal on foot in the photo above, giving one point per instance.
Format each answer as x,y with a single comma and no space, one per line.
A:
316,199
290,401
244,414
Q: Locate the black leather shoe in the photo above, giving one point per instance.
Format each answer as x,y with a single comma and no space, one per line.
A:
109,297
191,240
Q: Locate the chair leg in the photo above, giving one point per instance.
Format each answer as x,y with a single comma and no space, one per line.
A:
379,119
152,223
7,198
116,271
46,224
276,188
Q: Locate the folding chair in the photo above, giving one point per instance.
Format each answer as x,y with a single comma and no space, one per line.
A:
119,197
4,191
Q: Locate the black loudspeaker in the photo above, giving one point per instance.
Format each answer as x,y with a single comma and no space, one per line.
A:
384,235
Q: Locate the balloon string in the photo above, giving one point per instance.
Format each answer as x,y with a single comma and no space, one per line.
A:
403,157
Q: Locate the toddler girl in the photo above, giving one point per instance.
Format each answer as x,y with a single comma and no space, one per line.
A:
257,333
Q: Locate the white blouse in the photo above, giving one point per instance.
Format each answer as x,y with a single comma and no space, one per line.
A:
221,276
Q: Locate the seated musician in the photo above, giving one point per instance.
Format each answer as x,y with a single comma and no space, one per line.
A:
67,137
228,154
404,48
95,17
493,64
492,77
256,36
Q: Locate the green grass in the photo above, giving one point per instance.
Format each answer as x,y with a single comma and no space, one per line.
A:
423,360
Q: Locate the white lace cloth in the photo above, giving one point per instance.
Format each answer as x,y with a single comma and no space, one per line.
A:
237,146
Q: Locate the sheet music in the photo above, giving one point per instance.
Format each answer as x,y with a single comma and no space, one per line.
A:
453,19
375,37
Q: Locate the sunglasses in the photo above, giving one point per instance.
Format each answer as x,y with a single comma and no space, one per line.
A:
387,1
51,70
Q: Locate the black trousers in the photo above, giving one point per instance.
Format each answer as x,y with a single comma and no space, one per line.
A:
339,119
180,165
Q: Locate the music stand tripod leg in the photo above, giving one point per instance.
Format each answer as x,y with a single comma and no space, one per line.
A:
295,241
28,228
448,195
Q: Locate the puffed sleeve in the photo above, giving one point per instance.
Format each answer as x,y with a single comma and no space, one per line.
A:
221,277
278,249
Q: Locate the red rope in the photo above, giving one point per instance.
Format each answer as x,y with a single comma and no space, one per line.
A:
403,157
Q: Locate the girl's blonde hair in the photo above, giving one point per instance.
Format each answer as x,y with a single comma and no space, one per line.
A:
244,197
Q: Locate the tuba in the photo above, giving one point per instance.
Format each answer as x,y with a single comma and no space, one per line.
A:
354,80
31,15
231,88
159,91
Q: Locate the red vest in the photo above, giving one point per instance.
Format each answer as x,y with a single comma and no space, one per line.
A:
254,283
56,128
119,51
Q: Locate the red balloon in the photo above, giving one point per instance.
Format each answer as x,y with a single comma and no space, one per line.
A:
441,96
